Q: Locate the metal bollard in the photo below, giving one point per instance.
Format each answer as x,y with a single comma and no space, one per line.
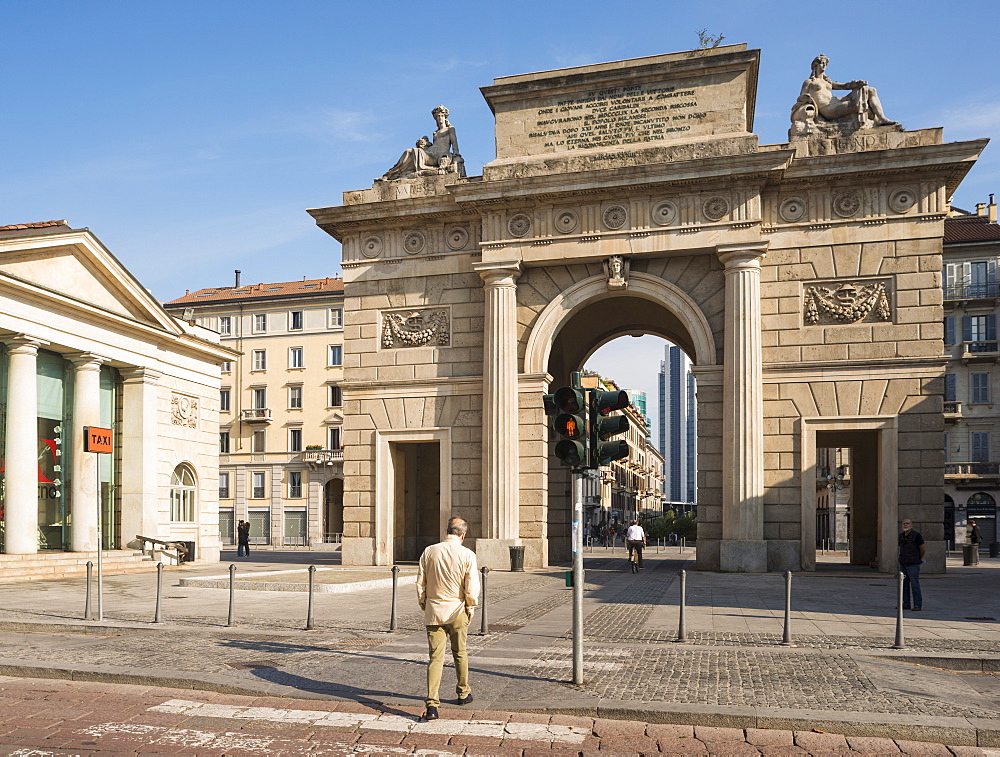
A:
392,611
312,586
681,633
88,613
786,639
484,623
232,596
158,614
899,611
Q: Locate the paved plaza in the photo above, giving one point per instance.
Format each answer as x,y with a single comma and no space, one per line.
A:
841,677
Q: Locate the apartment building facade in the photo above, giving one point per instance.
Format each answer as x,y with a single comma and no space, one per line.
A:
281,408
972,382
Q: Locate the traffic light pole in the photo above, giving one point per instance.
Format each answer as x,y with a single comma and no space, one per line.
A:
577,536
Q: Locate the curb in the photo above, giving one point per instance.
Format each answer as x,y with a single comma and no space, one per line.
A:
941,730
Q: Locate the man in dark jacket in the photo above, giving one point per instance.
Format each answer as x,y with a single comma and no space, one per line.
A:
975,537
911,555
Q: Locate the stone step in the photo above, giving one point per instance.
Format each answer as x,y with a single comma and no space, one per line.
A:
70,564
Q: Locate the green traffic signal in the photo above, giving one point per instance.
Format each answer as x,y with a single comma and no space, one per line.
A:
571,453
606,452
603,403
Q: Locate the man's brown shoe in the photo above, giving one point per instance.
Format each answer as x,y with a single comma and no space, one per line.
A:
431,713
916,609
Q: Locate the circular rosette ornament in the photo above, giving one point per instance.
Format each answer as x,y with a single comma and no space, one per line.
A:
615,217
519,225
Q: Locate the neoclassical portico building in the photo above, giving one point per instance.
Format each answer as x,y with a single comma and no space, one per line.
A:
802,279
84,344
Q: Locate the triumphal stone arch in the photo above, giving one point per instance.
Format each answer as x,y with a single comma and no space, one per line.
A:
803,280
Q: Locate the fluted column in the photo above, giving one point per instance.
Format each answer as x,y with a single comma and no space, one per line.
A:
21,447
83,482
742,548
500,417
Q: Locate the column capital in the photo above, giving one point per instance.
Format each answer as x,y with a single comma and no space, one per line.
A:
747,255
86,361
22,344
498,274
139,376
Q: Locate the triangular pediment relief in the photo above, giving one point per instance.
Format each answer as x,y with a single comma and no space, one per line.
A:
334,418
76,266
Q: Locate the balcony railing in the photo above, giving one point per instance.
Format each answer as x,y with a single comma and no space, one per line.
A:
972,291
972,470
981,348
320,457
952,408
256,415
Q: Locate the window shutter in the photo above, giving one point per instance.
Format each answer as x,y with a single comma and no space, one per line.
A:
949,329
991,327
949,387
967,328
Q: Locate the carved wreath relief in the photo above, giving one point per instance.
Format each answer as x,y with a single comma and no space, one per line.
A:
848,303
416,328
184,410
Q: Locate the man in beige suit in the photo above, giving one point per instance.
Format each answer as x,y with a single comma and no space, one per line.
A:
448,593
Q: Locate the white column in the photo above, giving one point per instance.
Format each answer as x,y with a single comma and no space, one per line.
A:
500,417
21,446
743,548
84,489
140,455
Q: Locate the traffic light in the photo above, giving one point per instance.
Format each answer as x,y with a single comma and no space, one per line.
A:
603,426
569,405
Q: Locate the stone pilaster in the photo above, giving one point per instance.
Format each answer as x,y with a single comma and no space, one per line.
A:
21,447
140,455
86,412
743,548
500,519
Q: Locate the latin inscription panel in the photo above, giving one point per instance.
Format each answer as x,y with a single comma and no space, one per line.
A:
629,114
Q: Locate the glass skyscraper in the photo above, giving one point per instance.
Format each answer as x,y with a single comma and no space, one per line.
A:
678,426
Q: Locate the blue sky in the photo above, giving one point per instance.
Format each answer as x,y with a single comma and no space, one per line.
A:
191,136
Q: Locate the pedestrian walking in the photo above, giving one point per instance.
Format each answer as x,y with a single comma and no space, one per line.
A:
448,593
975,537
911,555
635,539
243,539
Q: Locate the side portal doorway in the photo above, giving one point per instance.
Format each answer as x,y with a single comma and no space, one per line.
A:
416,497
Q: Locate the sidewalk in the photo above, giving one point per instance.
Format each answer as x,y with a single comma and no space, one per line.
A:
842,676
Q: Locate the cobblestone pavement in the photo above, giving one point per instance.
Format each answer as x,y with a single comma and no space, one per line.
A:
732,664
60,718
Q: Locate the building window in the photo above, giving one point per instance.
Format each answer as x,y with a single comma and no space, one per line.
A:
223,486
224,400
260,323
336,354
257,441
980,446
257,484
295,398
336,395
182,491
980,388
336,318
294,484
334,434
260,360
294,440
296,357
295,320
981,330
227,366
226,325
224,442
258,397
950,392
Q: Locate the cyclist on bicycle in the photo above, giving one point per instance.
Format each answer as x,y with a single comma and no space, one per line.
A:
635,540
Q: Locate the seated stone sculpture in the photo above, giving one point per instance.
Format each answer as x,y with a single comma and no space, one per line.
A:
428,158
817,106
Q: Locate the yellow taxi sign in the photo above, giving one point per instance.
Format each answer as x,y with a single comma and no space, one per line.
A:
96,439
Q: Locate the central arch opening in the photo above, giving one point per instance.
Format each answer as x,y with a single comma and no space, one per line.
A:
642,347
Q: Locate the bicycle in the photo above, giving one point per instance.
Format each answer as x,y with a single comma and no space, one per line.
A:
633,559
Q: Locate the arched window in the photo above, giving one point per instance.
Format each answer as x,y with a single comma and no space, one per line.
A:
981,498
182,494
